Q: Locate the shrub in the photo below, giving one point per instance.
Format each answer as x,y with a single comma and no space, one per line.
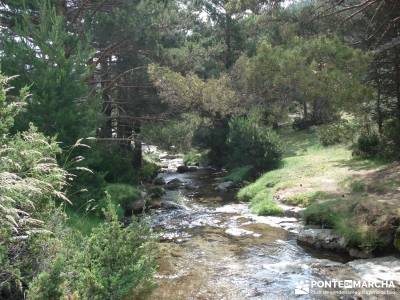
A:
391,139
212,137
336,133
122,195
30,182
368,145
252,144
148,171
156,192
115,261
194,158
48,285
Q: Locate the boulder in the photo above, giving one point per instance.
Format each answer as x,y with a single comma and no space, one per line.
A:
191,187
159,180
137,206
192,168
156,192
155,204
182,169
291,211
360,253
224,186
171,205
379,268
240,232
396,242
174,184
322,239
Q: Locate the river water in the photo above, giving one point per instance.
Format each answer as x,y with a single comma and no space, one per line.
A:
214,248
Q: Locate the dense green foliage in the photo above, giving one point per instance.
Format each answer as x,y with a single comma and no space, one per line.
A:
221,80
251,144
239,174
336,133
30,182
368,145
114,261
36,249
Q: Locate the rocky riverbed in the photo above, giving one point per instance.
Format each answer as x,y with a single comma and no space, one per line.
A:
212,247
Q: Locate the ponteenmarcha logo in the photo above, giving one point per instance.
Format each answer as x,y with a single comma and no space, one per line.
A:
303,288
322,286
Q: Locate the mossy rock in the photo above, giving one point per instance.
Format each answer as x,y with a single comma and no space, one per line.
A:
156,192
397,239
159,181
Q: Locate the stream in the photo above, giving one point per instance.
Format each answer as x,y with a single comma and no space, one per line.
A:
215,248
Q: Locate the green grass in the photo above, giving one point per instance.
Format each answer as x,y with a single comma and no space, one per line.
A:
195,158
306,164
334,187
306,198
238,175
357,186
83,222
339,215
305,160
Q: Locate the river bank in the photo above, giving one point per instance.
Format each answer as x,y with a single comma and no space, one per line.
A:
213,247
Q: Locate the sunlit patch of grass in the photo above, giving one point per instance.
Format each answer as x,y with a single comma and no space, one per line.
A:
306,163
263,204
306,198
267,208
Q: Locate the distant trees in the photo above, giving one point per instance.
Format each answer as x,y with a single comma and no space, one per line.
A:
374,25
322,75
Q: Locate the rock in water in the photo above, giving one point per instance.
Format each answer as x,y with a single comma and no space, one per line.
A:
397,239
379,268
173,184
239,232
159,180
156,192
137,206
224,186
171,205
322,239
182,169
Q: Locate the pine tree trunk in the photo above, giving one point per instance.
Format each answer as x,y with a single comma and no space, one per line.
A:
228,41
305,110
137,159
105,130
397,80
378,106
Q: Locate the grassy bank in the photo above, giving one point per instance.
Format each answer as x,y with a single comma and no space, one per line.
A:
359,199
308,170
